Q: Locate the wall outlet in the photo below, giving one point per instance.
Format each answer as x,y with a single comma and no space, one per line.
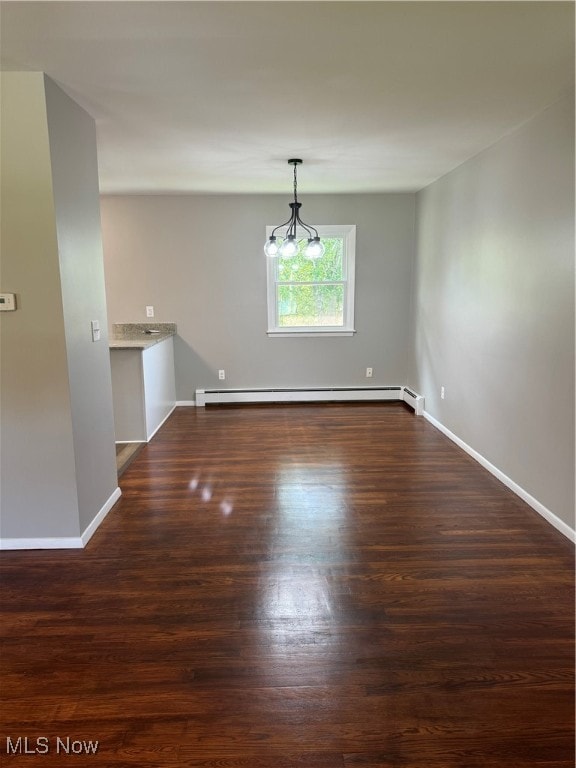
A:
149,311
442,393
368,373
221,374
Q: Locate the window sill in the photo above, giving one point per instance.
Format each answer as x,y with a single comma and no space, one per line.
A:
317,334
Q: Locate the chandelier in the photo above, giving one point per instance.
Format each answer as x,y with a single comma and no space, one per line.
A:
289,246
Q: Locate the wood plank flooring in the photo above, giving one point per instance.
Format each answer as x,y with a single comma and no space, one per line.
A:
296,587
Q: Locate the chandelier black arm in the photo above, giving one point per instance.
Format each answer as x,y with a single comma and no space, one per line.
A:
291,224
282,225
307,227
291,231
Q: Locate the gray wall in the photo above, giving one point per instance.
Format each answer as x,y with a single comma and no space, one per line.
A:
37,455
57,428
494,305
74,164
199,261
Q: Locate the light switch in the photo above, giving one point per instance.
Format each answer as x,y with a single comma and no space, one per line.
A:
7,302
149,311
95,330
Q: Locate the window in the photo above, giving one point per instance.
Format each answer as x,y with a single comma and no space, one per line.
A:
314,297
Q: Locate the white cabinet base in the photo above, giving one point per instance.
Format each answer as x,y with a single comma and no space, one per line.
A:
143,390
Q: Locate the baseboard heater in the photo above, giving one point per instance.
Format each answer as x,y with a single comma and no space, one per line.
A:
316,394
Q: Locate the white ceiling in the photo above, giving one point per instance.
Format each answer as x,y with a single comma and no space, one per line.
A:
216,96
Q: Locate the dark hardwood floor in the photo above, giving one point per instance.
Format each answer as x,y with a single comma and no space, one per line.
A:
296,587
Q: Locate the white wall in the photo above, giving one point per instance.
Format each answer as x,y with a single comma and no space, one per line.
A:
494,306
199,261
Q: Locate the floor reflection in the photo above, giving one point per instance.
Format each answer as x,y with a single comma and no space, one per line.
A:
304,539
299,590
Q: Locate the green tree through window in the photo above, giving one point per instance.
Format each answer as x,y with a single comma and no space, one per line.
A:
311,291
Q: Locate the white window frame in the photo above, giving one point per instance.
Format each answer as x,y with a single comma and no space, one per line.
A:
348,233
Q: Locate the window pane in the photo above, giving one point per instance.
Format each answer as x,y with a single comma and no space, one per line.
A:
310,305
302,270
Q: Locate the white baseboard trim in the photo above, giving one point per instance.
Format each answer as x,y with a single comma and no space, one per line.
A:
64,542
161,423
549,516
91,529
185,403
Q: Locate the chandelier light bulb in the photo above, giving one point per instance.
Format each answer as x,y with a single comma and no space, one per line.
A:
289,247
271,247
315,248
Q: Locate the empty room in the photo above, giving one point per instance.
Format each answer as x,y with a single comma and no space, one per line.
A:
287,376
